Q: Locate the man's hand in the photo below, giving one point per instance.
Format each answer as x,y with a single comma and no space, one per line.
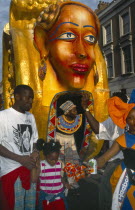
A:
27,161
35,155
85,100
67,185
90,118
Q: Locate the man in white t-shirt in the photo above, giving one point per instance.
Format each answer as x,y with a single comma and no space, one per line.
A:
18,133
107,129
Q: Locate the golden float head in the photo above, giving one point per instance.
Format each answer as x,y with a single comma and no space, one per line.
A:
66,34
71,64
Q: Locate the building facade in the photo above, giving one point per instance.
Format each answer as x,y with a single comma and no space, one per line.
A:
1,98
117,41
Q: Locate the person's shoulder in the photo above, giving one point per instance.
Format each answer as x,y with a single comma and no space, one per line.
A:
43,163
5,111
121,138
5,115
109,119
58,164
30,115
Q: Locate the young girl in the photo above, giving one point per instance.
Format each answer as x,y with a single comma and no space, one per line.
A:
51,194
123,178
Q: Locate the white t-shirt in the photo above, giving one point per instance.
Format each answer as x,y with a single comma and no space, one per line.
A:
110,131
18,132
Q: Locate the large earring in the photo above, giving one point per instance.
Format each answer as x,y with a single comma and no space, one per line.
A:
42,69
96,75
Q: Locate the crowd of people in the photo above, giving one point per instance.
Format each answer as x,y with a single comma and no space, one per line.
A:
20,146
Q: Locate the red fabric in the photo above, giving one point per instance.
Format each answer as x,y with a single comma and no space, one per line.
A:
55,205
3,201
8,181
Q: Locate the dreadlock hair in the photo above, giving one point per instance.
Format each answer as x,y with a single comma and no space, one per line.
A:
121,95
20,88
48,147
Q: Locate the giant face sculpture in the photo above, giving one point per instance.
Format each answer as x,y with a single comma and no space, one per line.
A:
71,45
65,35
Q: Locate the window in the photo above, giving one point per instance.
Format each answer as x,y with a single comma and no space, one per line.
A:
125,20
108,33
109,65
127,59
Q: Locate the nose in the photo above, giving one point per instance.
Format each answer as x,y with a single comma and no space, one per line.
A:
75,112
80,49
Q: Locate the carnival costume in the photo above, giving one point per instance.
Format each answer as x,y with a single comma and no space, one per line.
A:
122,179
65,134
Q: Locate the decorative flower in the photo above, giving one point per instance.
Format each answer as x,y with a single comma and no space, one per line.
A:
77,171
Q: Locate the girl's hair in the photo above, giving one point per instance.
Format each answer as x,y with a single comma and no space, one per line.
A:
48,147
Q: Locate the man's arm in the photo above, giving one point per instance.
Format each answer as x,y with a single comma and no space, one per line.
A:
115,148
25,160
35,171
91,120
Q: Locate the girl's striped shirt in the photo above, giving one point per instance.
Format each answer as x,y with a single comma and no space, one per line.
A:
50,178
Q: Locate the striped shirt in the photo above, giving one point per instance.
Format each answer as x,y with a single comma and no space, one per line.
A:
50,178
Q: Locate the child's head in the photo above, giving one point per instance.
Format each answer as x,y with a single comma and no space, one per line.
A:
131,120
50,149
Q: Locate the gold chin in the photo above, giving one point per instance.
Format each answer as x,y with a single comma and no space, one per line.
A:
21,62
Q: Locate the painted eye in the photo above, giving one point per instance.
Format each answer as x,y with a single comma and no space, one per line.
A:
90,39
67,36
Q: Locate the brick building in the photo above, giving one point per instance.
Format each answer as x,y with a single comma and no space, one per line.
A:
117,41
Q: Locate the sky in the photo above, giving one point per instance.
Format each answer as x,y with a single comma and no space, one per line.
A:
4,18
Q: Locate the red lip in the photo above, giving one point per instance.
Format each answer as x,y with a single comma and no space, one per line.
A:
80,67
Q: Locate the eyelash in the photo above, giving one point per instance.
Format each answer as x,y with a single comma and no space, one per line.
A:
67,33
69,38
90,36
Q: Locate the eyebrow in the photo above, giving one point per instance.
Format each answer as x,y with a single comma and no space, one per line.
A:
62,24
88,26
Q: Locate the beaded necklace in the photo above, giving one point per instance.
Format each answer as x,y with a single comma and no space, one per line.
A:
67,126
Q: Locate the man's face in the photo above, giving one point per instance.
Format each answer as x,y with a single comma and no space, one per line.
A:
25,100
131,121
